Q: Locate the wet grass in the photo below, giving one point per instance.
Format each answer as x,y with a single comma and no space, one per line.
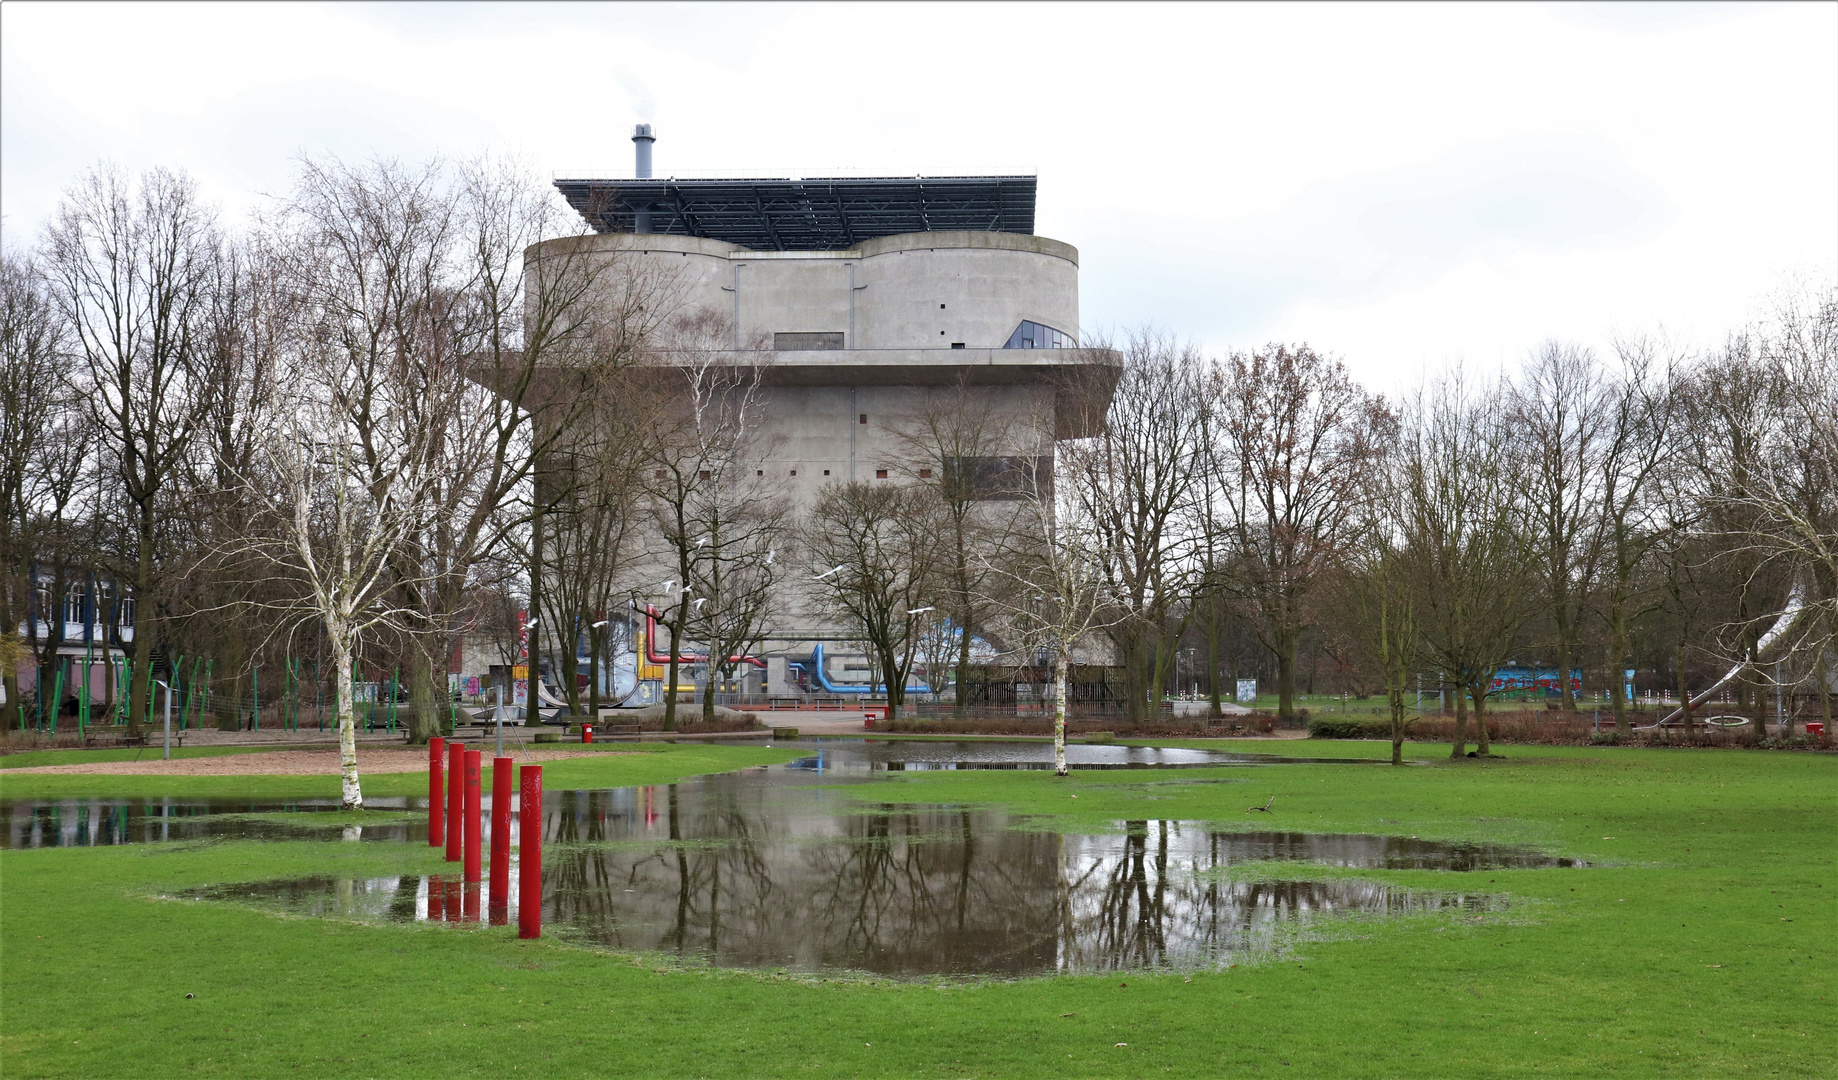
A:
1703,947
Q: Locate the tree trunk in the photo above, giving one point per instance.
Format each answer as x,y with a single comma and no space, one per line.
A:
1461,724
1479,693
1617,655
352,792
676,650
1285,675
595,637
422,697
139,689
1396,695
1215,709
1566,650
961,705
1059,715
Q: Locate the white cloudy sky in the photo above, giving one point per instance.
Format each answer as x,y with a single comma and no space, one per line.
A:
1401,185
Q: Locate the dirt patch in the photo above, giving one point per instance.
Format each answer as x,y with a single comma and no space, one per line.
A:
288,763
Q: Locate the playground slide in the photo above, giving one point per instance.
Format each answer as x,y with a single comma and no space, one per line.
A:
823,679
1795,607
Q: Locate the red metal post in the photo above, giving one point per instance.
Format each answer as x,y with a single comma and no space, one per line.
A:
472,818
503,777
529,854
436,746
456,798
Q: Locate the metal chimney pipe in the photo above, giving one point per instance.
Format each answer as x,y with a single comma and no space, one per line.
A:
642,138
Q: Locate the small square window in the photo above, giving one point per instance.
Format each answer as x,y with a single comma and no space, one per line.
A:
941,307
658,475
880,474
794,472
760,472
703,475
826,472
863,419
925,474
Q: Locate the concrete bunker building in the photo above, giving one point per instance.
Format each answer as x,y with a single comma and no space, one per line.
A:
871,294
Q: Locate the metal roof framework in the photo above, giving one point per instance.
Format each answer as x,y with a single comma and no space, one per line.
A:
816,214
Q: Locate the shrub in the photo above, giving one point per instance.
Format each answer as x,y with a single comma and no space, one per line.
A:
1348,727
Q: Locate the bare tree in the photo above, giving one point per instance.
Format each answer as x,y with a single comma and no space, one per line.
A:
875,546
704,438
1559,412
956,447
1293,442
1134,481
1637,442
39,430
133,267
1054,592
1463,542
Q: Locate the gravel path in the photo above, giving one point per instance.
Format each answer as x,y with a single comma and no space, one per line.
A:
286,763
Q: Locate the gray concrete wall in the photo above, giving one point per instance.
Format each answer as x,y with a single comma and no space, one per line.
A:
917,291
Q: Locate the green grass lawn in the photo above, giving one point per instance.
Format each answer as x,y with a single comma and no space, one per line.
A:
1702,946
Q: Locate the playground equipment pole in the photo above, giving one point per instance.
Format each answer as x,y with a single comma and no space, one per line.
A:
470,866
497,713
436,838
456,798
529,855
166,753
503,774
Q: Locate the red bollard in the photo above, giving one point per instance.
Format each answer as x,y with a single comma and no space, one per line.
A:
587,733
436,746
503,774
529,855
456,798
471,870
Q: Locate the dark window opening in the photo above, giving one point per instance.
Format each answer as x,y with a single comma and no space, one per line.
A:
806,342
760,472
826,472
864,418
703,474
880,474
957,344
794,472
925,474
997,479
658,475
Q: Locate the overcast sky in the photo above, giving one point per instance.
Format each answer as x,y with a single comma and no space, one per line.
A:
1400,185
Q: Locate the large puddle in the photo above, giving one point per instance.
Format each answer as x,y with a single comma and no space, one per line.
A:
764,869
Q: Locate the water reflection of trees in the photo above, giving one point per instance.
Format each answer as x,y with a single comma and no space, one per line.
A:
909,890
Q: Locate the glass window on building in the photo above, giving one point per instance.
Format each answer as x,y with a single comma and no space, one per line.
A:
1033,335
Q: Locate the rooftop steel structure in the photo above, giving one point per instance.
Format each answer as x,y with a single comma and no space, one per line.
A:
815,214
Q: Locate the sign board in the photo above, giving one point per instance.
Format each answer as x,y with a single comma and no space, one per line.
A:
1247,691
520,671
